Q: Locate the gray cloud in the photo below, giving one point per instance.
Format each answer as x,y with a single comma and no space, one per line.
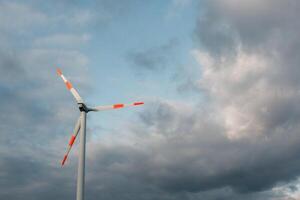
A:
251,82
32,98
187,155
153,59
245,141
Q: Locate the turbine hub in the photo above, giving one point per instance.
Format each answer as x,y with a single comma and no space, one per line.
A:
83,107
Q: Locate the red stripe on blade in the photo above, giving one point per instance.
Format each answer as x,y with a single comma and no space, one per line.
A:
138,103
72,140
69,85
58,71
118,105
64,160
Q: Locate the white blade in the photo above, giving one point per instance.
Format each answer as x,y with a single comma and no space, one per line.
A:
70,87
72,140
115,106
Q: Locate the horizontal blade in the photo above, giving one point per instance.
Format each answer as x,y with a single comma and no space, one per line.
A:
72,140
70,87
115,106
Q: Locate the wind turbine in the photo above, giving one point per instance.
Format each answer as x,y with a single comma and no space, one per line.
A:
81,125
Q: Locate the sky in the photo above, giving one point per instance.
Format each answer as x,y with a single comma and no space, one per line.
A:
219,79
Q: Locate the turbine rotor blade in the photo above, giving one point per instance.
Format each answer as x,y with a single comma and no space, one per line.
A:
115,106
70,87
72,140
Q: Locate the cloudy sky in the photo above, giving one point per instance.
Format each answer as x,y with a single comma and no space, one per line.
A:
220,82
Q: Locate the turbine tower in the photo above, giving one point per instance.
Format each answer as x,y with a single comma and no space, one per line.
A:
81,126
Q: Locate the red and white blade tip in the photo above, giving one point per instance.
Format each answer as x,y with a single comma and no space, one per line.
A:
64,160
69,86
138,103
59,72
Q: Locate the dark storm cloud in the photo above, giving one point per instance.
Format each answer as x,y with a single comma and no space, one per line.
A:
216,161
250,140
28,178
153,59
188,153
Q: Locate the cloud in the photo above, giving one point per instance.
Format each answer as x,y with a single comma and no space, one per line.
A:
178,151
247,138
253,83
23,17
32,101
153,59
243,142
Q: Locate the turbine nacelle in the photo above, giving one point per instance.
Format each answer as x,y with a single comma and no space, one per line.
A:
83,108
